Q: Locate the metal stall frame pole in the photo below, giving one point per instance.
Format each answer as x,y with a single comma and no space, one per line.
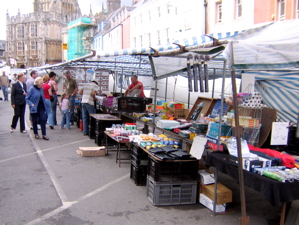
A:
165,98
122,80
213,88
244,220
222,103
156,84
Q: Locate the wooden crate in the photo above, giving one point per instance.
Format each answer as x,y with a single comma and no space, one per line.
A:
207,108
224,195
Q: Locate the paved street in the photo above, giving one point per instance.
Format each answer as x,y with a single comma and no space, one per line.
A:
47,182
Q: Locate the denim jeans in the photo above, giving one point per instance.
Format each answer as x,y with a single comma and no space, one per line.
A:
54,108
49,112
5,92
65,118
86,111
72,108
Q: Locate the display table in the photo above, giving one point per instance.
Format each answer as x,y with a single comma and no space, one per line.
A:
98,124
276,192
118,148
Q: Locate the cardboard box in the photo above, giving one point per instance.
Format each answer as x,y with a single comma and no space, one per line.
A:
92,151
224,195
266,162
206,177
209,204
249,164
167,123
207,107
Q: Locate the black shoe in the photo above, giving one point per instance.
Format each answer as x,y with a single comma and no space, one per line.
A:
51,127
85,134
72,123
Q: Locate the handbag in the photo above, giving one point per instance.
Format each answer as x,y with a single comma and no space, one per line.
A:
52,98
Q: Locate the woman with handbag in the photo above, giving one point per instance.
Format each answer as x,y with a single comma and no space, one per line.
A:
54,89
48,99
37,105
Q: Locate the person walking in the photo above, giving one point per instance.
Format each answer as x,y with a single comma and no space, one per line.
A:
37,105
18,94
54,89
65,111
48,95
71,90
29,83
88,93
4,82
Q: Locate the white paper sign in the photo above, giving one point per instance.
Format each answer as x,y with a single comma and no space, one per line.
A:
279,134
198,146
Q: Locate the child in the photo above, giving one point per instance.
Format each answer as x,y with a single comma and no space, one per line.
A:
65,111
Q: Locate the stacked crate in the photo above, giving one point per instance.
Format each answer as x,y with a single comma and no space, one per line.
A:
139,163
172,182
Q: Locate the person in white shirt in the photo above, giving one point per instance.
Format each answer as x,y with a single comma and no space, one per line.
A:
88,92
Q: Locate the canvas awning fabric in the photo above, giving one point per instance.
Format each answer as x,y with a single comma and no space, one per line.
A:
270,47
280,91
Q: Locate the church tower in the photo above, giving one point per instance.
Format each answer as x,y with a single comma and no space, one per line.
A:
35,39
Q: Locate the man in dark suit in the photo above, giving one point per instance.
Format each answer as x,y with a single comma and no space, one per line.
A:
18,93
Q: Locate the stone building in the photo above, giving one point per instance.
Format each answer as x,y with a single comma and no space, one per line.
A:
35,39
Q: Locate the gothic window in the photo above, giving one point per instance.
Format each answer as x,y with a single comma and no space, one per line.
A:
21,46
21,31
33,29
297,9
158,37
33,45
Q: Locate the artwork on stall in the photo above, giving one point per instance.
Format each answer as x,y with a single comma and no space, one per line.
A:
90,75
279,135
80,75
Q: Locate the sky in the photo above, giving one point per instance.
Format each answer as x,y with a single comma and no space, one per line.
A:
26,6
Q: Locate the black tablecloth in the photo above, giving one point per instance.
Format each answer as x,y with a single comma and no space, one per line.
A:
274,191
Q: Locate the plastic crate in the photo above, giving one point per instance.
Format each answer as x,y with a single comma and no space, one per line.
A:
180,193
199,128
138,174
138,160
169,170
136,150
213,130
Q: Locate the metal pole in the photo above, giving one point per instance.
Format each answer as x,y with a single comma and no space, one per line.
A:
221,105
244,220
166,89
214,74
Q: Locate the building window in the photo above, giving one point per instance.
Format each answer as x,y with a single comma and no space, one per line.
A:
297,9
159,12
281,9
134,21
21,46
21,31
149,39
134,42
219,12
33,28
140,16
149,16
140,39
158,37
167,35
33,45
239,8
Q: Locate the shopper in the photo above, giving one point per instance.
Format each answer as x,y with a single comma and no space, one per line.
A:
54,89
65,111
48,96
4,82
37,105
88,93
18,94
29,83
71,89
